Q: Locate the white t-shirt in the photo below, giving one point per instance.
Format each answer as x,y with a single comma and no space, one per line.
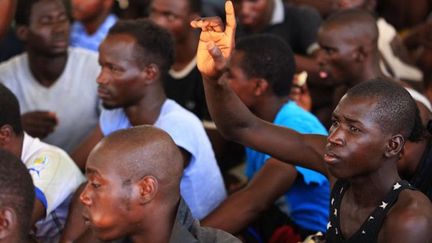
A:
55,177
73,97
202,185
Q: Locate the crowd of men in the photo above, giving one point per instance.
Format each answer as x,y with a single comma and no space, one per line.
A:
124,130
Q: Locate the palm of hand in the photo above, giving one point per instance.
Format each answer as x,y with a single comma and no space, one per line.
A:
206,63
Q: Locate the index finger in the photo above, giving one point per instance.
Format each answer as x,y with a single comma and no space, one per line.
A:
230,17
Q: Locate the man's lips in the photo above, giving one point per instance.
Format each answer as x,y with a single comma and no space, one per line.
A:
323,74
103,93
330,158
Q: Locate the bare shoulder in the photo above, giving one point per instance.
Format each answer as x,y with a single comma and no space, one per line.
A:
409,220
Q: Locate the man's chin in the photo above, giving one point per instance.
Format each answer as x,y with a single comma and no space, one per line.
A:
104,236
109,106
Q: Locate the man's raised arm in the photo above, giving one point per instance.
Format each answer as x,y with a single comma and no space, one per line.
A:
232,117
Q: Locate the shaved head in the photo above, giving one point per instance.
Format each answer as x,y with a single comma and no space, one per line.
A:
142,151
355,25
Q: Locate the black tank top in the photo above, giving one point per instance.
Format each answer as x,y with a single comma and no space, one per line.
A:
369,230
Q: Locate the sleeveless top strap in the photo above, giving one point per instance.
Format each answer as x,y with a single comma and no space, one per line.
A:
369,230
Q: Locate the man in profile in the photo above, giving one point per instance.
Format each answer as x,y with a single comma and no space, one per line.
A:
16,199
133,190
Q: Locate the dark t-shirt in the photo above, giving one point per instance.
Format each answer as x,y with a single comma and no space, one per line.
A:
188,92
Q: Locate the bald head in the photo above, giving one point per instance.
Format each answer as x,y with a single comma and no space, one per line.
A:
141,151
354,25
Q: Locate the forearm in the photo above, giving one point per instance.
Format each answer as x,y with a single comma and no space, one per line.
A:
232,118
235,213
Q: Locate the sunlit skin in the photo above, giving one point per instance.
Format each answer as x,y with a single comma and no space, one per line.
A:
356,143
358,148
120,70
133,186
214,34
105,201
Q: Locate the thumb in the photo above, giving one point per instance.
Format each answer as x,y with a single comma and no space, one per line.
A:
217,56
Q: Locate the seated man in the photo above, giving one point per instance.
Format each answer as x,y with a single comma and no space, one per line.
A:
260,72
133,190
183,83
16,199
135,58
92,20
55,176
53,83
369,201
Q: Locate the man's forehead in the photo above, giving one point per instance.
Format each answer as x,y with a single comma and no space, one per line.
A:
357,107
177,6
46,6
119,45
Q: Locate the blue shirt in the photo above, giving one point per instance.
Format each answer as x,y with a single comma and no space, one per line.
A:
308,198
80,38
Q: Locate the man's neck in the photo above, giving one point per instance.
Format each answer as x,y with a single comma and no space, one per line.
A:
93,25
268,107
368,72
369,190
147,110
158,226
46,70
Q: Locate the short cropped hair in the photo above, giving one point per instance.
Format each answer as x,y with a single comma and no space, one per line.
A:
395,110
10,110
155,44
268,57
16,189
357,21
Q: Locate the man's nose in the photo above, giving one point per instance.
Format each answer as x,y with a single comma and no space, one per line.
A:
336,136
103,77
84,197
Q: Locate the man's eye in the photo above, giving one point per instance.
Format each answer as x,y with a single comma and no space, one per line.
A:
335,123
95,185
354,129
114,68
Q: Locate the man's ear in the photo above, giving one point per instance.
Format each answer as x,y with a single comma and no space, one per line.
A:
261,86
360,54
8,222
22,32
394,146
147,189
6,132
151,73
